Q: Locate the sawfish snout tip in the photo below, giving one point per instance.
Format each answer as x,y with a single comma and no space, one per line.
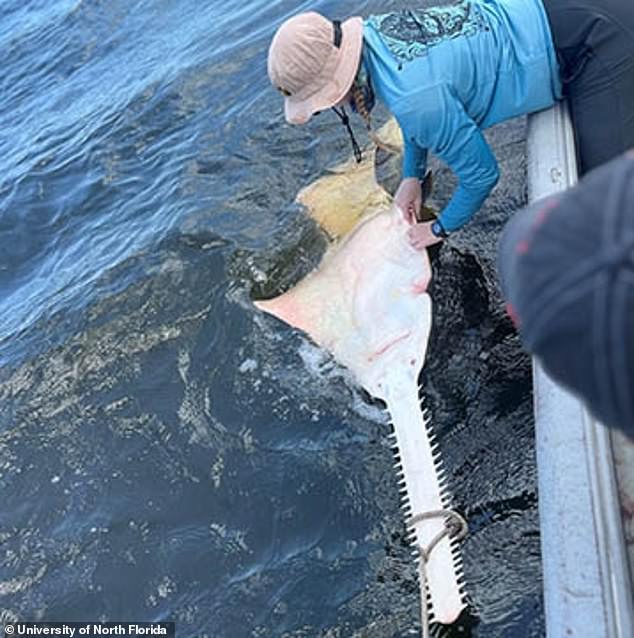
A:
448,616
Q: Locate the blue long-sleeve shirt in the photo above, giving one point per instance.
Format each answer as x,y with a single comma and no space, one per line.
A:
448,72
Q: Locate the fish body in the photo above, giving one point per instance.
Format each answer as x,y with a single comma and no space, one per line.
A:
367,303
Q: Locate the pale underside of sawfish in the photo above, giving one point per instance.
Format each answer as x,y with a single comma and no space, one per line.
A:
367,303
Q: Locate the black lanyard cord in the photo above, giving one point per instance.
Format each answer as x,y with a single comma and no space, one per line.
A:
343,116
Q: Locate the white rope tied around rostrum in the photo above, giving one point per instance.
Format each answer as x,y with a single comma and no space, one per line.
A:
455,527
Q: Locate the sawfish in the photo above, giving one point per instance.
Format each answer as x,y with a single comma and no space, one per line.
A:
367,303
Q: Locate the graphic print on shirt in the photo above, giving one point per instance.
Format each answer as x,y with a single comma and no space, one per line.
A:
411,33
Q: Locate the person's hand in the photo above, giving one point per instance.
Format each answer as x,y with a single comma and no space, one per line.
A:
420,236
409,198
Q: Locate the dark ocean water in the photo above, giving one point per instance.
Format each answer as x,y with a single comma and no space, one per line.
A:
166,452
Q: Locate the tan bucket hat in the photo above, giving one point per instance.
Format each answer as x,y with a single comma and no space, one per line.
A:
313,62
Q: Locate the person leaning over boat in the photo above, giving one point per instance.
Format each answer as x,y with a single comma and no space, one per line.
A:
447,72
566,268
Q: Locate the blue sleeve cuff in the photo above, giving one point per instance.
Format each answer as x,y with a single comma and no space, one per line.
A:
465,203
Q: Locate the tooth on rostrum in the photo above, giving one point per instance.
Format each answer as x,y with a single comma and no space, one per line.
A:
413,541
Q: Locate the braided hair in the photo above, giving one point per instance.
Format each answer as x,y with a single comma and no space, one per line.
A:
362,109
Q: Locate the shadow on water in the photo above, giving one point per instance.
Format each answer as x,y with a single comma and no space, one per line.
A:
167,452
